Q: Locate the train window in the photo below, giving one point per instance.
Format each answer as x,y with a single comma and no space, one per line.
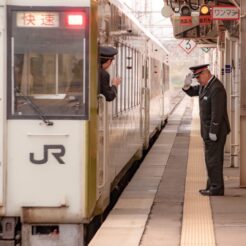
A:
127,81
119,67
124,72
155,74
135,77
49,64
166,77
129,77
127,67
115,102
139,61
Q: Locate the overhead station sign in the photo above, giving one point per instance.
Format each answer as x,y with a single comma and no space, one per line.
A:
225,13
207,14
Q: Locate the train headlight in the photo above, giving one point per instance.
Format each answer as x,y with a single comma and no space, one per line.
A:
75,20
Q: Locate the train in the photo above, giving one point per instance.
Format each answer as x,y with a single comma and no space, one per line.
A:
63,148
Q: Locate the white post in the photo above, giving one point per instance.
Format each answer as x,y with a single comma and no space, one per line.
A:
236,147
242,97
227,84
216,62
234,105
221,70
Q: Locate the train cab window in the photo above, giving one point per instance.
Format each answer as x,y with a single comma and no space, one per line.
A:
48,64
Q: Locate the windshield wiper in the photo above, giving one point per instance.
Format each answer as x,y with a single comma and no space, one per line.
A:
41,114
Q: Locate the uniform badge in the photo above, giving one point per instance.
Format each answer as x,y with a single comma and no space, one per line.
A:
205,98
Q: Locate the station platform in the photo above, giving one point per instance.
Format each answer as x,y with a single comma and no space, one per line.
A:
162,206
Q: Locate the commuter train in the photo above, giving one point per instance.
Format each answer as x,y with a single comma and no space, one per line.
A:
63,148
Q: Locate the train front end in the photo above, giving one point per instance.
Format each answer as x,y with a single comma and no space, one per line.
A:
48,113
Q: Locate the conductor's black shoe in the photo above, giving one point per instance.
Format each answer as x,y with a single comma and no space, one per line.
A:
212,192
202,190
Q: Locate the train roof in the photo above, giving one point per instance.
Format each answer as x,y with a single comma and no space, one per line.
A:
125,10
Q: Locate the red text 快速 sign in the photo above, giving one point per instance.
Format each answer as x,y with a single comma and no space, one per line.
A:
37,19
225,13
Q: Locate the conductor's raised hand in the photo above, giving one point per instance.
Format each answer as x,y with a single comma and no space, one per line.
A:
188,81
116,81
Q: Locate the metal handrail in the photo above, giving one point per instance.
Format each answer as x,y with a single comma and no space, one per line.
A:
104,117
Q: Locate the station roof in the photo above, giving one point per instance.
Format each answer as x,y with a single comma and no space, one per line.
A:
209,31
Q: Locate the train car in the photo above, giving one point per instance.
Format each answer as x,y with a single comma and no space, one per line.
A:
63,148
129,122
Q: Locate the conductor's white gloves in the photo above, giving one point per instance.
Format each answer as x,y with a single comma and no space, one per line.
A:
212,136
187,81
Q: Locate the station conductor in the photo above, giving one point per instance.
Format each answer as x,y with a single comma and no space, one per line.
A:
107,55
214,124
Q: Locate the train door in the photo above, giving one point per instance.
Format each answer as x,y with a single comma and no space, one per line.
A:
2,99
47,110
145,100
106,171
102,156
162,78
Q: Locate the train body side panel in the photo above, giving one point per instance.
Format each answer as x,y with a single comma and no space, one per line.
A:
124,140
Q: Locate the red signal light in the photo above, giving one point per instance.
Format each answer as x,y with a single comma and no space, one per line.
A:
75,20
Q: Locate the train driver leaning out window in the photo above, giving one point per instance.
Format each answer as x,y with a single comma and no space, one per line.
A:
106,57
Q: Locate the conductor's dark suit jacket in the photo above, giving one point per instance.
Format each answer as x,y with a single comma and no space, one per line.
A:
110,92
213,108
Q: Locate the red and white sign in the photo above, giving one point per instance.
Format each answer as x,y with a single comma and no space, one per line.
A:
187,45
185,21
37,19
225,13
205,20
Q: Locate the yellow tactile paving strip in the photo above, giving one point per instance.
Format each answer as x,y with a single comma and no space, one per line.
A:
197,225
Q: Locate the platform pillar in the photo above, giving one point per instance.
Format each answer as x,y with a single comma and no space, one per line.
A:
227,84
243,97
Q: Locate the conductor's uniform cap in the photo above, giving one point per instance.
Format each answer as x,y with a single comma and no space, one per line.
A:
108,52
198,69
